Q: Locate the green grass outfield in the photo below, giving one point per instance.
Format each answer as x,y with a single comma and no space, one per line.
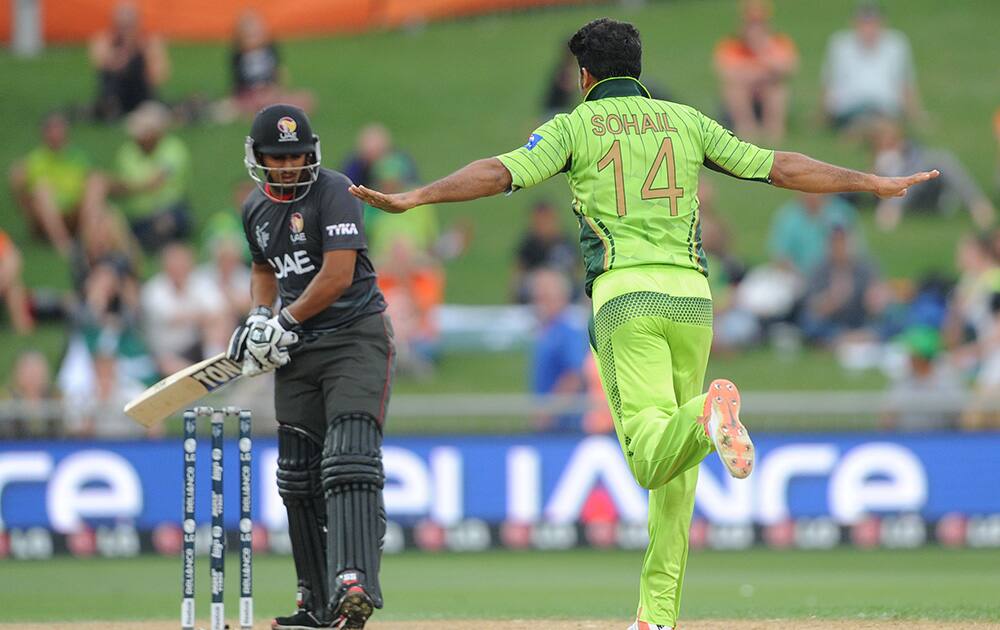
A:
455,91
930,583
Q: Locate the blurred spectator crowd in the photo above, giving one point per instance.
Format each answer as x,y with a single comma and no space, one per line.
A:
140,261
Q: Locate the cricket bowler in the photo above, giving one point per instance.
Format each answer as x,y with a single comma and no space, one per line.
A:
632,163
331,387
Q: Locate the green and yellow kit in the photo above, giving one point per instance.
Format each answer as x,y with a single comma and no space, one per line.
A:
632,163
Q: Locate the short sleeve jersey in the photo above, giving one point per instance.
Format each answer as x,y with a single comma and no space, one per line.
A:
632,164
292,237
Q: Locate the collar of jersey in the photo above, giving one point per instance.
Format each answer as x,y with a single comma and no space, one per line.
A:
616,86
270,192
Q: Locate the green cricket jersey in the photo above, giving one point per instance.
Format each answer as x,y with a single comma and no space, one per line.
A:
632,164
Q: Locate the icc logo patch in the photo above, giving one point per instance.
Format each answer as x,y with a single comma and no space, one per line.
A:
286,129
533,141
297,224
262,236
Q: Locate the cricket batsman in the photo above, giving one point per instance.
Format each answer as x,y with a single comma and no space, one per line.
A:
331,387
632,163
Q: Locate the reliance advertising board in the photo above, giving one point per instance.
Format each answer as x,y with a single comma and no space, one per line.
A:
842,478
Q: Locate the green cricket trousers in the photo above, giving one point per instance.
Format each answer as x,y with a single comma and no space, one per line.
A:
653,334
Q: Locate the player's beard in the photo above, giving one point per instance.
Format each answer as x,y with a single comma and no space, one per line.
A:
291,188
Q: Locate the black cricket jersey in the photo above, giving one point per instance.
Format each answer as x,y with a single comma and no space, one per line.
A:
292,237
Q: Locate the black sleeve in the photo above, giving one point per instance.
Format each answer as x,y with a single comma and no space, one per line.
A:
255,253
341,215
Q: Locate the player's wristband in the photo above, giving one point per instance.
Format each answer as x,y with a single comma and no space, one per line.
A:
265,311
286,320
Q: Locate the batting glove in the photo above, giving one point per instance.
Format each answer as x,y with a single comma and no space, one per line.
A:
253,367
238,341
268,341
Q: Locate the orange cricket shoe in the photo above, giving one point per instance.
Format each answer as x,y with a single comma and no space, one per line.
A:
721,419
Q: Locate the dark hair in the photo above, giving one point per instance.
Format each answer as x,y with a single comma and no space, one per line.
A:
608,48
542,205
869,9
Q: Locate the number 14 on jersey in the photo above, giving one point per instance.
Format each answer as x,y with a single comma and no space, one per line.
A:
664,156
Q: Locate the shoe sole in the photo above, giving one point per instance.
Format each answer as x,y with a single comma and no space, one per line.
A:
355,608
731,439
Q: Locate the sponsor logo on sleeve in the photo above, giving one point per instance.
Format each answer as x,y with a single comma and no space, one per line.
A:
533,141
342,229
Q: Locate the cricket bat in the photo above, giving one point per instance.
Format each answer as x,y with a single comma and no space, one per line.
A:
182,388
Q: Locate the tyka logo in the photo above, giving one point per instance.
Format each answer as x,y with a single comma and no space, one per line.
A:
342,229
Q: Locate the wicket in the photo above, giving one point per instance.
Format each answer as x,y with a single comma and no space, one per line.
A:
217,551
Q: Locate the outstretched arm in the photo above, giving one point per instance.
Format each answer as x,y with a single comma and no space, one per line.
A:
800,172
546,154
482,178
